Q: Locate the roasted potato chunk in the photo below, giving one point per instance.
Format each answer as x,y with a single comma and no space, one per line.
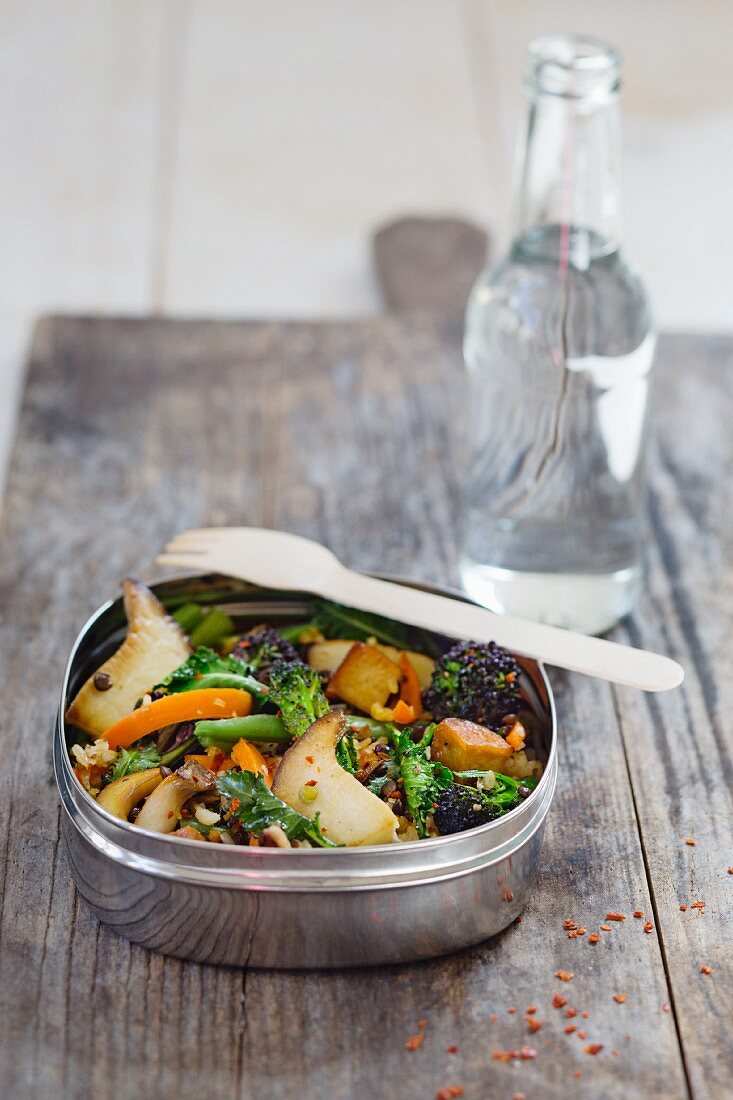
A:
462,745
365,677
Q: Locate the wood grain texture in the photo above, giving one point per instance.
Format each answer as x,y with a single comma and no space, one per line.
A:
131,431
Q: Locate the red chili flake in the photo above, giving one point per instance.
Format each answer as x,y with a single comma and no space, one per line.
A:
415,1041
665,1008
311,782
730,870
449,1092
575,932
706,969
564,975
638,913
578,1073
558,1001
422,1023
683,908
524,1054
493,1019
506,893
519,1096
309,759
648,926
452,1049
570,1012
568,924
615,916
593,938
582,1034
699,905
531,1010
594,1048
690,840
570,1029
534,1025
585,1015
619,998
511,1011
606,928
170,813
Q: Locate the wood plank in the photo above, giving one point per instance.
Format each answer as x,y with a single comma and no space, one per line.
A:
302,127
150,427
680,745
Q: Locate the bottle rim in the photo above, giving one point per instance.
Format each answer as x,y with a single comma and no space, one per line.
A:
572,66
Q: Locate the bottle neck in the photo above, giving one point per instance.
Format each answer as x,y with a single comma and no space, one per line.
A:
569,169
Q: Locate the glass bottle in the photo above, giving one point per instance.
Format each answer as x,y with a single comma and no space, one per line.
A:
558,349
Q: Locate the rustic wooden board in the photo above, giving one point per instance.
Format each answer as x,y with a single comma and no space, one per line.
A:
133,430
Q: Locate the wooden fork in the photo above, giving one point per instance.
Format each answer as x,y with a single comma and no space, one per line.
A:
275,559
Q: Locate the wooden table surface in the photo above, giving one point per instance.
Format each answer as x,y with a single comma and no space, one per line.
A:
133,430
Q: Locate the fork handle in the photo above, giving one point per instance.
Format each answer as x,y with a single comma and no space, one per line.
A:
610,661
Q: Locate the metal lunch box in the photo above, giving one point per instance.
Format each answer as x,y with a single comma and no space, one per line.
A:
269,907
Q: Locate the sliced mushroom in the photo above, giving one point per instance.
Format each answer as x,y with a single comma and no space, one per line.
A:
154,645
162,809
121,795
311,780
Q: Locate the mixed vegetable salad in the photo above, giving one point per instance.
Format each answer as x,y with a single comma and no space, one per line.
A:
347,729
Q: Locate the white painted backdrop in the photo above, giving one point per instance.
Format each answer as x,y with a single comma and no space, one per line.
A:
231,157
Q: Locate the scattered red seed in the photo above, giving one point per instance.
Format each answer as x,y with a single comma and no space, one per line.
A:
594,1048
511,1011
690,840
578,1073
638,913
730,870
564,975
452,1049
683,908
493,1019
570,1012
585,1015
415,1041
619,998
606,928
449,1092
615,916
534,1025
575,932
648,926
519,1096
699,905
568,924
531,1010
582,1034
558,1001
706,969
422,1023
570,1029
593,938
665,1008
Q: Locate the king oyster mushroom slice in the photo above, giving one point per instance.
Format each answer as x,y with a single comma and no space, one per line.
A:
121,795
348,812
161,811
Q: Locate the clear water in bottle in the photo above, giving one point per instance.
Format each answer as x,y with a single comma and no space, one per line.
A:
558,349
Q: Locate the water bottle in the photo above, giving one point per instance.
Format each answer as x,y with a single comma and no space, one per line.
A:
558,349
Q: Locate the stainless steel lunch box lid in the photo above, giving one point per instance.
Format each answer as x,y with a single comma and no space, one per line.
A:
294,908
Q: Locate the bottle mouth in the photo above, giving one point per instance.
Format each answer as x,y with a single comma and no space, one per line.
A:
572,66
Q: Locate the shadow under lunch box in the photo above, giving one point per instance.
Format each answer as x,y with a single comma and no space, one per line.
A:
293,908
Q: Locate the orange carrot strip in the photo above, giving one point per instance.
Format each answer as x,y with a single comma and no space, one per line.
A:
409,686
185,706
249,758
402,713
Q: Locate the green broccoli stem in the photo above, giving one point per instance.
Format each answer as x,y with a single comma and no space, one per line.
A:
225,732
189,616
214,626
175,754
293,633
357,723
